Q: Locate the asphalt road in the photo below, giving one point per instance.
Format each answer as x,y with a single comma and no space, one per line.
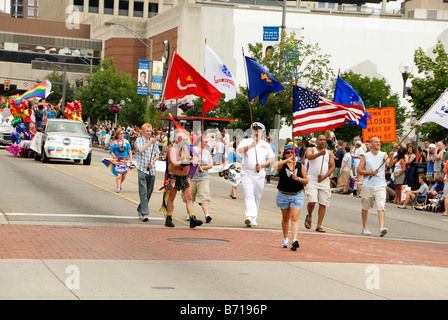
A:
68,192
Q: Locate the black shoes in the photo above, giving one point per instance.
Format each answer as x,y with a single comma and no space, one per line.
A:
295,245
169,222
195,222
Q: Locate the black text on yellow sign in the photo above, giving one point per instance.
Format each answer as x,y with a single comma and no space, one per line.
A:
381,124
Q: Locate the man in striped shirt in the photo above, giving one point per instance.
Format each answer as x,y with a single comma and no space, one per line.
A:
147,154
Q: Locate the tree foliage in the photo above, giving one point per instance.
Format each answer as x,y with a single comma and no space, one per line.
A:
57,78
373,92
104,84
291,58
428,85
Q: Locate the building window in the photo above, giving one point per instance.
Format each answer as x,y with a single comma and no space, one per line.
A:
108,6
93,6
79,4
321,4
431,15
123,8
153,9
138,9
30,12
332,5
30,3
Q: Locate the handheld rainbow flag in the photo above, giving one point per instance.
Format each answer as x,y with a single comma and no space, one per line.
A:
41,90
118,166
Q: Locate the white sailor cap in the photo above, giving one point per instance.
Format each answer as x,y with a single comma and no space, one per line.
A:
258,126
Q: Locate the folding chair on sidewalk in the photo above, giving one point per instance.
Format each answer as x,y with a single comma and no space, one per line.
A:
420,200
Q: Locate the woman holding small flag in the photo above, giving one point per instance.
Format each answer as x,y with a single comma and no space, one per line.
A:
292,178
121,149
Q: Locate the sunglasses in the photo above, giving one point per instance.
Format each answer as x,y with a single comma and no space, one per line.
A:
288,152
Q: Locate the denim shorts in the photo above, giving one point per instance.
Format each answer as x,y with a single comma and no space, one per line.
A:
285,201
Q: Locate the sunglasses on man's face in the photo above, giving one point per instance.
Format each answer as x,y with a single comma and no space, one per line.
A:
288,152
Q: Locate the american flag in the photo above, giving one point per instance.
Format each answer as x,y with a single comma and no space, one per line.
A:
313,113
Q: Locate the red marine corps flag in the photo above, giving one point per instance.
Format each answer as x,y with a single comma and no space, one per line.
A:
184,80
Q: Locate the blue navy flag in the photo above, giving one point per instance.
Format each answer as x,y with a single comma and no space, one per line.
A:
260,82
345,94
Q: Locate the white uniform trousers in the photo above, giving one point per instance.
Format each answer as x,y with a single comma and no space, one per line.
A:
253,184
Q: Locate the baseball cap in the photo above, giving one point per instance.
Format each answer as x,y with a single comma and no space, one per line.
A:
359,143
432,145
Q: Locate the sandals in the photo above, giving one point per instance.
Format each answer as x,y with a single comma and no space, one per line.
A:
232,196
320,230
307,222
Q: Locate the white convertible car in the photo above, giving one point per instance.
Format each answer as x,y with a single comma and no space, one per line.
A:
63,139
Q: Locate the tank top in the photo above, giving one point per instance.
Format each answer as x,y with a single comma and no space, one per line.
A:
374,162
398,167
314,166
286,183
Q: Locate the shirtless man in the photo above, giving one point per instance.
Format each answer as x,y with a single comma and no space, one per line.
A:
179,162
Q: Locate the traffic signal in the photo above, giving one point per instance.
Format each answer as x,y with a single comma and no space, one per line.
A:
6,85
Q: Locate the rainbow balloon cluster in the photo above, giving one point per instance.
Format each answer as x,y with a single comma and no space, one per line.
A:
18,111
73,111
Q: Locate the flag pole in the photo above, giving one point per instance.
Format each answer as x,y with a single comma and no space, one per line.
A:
293,138
250,107
431,106
202,120
163,97
416,124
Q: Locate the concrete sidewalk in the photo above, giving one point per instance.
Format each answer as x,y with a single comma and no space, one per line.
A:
154,262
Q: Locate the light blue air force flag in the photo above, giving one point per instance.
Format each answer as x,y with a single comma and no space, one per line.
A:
260,82
345,94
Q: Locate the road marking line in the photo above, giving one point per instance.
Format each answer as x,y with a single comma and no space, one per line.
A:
75,215
91,183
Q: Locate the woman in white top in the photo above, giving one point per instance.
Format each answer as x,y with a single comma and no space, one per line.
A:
400,167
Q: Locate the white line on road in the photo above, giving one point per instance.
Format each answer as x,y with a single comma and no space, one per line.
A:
75,215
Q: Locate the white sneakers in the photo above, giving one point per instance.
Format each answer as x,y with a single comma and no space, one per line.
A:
294,244
366,232
249,222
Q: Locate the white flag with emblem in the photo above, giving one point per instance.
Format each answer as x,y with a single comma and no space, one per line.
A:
217,73
438,112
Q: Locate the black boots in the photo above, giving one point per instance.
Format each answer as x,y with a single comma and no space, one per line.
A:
169,222
195,222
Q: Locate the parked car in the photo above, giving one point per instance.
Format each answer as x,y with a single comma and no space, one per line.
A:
62,139
6,131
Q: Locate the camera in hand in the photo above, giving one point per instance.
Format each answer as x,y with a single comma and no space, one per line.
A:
185,164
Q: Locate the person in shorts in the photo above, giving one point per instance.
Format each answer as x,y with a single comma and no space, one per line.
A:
372,167
321,167
200,183
445,190
292,177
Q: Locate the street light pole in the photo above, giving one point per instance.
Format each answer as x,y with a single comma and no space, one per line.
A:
64,81
405,69
139,37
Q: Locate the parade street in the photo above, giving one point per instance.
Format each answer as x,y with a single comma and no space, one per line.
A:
60,214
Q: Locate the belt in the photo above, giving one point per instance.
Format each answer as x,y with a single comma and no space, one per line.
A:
289,193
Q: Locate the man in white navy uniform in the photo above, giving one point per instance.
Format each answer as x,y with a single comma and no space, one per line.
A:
257,155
